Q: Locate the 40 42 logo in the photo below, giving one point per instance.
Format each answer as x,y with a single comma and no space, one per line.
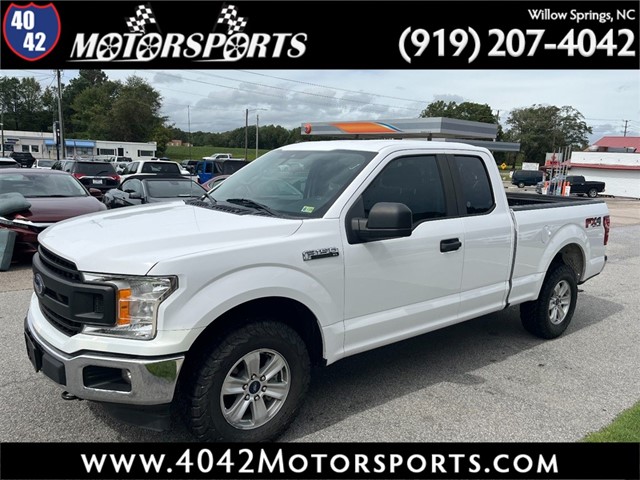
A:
31,31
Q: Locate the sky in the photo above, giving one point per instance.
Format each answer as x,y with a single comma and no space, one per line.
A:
216,100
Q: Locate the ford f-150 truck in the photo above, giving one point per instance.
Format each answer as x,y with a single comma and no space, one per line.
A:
309,254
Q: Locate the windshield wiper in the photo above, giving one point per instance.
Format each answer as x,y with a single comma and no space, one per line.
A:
211,199
245,202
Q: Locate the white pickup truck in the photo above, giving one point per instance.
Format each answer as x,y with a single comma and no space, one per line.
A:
313,252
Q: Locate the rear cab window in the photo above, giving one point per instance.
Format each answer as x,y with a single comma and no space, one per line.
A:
475,195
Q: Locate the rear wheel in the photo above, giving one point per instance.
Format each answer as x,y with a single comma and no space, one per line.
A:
593,193
549,316
521,185
250,387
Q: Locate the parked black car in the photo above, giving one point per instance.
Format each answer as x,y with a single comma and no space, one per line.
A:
25,159
141,189
522,178
578,184
190,165
100,175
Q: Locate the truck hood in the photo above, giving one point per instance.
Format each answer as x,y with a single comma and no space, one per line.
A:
132,240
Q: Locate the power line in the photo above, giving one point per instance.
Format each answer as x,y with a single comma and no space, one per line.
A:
335,99
334,88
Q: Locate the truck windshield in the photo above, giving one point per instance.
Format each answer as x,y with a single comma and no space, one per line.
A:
302,184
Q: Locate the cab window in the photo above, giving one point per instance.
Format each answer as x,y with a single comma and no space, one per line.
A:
475,185
414,181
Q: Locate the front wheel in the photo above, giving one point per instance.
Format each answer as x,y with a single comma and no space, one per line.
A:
593,193
549,316
250,387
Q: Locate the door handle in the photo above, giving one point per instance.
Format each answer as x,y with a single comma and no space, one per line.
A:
450,244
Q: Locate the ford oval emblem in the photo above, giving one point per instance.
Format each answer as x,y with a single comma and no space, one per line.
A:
38,284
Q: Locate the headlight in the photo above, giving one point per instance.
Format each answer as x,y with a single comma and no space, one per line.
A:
137,303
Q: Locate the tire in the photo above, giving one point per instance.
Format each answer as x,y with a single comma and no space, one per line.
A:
521,185
549,316
247,413
592,193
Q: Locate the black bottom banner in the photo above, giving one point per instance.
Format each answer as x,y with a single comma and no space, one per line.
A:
583,461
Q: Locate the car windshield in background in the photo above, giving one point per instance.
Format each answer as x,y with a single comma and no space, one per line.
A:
173,188
33,185
302,184
95,168
158,167
46,163
8,163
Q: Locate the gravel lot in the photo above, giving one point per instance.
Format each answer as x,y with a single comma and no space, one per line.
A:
484,380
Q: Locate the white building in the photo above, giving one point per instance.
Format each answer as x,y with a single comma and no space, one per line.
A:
619,171
615,161
42,145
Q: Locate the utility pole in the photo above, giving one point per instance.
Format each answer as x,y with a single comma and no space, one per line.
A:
246,132
625,127
257,128
2,125
189,121
62,144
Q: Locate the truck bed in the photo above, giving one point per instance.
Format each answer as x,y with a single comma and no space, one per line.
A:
529,201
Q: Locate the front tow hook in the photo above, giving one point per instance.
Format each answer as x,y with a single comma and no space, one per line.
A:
69,396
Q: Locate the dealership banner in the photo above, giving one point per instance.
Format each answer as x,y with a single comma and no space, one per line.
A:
549,461
321,35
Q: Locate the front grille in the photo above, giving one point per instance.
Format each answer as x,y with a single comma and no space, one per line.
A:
65,300
59,265
66,326
58,297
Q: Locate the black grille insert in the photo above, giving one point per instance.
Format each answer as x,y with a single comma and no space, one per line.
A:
65,300
66,326
59,265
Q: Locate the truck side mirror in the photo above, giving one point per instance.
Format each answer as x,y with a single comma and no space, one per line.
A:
386,220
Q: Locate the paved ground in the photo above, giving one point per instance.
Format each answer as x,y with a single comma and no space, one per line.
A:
484,380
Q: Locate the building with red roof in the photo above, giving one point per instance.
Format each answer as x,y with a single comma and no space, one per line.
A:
615,143
613,160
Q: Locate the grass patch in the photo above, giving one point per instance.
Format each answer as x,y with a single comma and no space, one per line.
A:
625,428
196,153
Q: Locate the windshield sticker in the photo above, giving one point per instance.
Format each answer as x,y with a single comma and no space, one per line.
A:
307,209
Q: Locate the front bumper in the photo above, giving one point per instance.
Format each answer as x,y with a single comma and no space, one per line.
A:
107,378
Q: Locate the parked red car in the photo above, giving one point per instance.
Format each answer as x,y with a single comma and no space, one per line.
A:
215,181
53,196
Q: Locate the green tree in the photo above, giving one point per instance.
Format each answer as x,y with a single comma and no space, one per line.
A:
10,102
92,109
49,107
546,128
476,112
135,114
161,135
86,79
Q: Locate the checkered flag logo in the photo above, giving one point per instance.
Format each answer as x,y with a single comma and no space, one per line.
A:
144,16
229,15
